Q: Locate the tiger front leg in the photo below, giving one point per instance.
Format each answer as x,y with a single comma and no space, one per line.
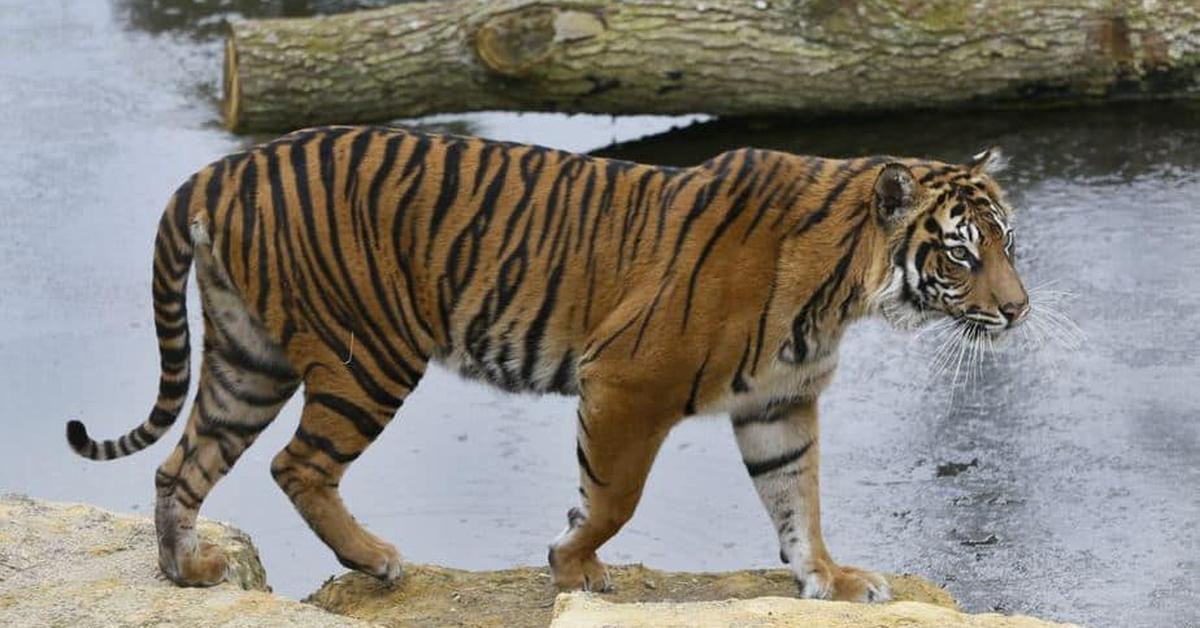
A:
780,449
618,436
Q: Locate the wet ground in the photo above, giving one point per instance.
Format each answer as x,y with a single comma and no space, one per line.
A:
1060,482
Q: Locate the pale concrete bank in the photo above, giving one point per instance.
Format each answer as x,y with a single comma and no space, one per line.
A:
76,565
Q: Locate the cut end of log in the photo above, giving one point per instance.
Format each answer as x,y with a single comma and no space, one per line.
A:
511,44
516,42
232,88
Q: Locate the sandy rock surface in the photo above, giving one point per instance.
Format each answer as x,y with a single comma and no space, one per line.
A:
578,610
433,596
76,565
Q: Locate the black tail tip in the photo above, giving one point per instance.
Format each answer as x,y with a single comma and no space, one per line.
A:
77,435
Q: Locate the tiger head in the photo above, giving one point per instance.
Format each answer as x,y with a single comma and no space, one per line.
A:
951,247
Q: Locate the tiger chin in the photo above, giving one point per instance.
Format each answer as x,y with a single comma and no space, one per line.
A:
345,259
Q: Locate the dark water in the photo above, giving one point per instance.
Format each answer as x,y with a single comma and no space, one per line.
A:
1082,503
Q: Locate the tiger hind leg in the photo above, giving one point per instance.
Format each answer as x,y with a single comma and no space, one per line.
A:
346,407
245,380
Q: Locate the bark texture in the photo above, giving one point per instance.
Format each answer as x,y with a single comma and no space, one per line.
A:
726,58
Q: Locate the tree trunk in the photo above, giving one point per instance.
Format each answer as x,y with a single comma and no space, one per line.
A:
726,58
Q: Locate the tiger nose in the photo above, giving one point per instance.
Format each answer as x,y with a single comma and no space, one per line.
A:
1015,311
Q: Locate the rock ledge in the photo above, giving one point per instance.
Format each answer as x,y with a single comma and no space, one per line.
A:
77,565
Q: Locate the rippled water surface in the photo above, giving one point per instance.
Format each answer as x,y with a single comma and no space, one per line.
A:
1076,497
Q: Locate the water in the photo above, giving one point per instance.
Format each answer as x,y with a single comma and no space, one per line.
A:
1088,461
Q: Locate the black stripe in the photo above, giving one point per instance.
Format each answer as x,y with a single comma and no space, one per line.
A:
358,150
589,187
567,169
183,202
587,468
447,190
237,355
844,178
649,312
762,327
171,330
244,395
361,376
821,296
700,203
212,187
646,202
689,408
756,469
144,437
764,205
166,294
182,483
512,273
739,205
168,356
739,384
414,167
582,422
168,389
564,372
264,265
325,446
360,418
851,298
163,480
773,413
537,328
248,199
592,355
228,457
161,418
225,233
531,168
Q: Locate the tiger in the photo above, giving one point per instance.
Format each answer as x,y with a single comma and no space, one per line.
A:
348,258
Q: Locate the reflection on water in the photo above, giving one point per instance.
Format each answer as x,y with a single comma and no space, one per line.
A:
1081,503
1114,143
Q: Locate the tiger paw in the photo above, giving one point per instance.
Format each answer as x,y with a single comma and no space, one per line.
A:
372,556
206,566
824,580
586,573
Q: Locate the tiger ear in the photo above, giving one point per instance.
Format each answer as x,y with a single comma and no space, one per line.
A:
988,161
896,191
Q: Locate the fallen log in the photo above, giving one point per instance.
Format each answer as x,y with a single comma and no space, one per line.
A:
684,56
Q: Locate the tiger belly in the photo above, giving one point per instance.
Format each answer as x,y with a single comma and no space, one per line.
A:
780,380
502,365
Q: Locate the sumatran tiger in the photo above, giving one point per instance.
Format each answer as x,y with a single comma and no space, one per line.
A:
348,258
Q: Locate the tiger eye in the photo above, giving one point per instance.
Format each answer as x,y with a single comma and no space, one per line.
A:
959,253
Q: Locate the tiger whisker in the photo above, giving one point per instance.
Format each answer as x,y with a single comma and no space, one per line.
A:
944,355
1062,329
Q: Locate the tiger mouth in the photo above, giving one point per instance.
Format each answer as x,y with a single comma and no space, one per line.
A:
976,328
